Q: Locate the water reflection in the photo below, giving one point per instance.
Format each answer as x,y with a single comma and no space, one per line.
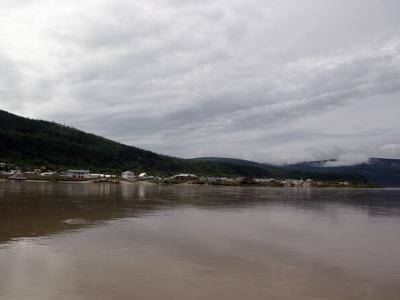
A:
34,209
30,209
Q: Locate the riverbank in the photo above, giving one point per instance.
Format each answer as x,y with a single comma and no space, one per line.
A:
122,181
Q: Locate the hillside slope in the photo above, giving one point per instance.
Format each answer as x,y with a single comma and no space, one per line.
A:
35,143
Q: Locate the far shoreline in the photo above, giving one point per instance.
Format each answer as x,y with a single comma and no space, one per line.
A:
125,182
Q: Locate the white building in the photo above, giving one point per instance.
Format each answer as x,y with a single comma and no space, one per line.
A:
110,176
185,177
78,174
47,173
145,177
95,175
128,175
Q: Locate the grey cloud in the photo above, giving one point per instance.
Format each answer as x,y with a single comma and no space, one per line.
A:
389,151
223,77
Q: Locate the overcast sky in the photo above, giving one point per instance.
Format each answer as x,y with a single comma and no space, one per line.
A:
267,80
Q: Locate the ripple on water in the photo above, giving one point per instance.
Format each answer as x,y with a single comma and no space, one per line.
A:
76,221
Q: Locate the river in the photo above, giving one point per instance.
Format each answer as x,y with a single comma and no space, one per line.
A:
141,241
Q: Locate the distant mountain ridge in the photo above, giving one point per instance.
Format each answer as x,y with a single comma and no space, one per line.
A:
379,170
236,161
34,143
283,172
385,172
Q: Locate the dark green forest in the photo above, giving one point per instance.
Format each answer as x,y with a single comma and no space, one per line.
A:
31,143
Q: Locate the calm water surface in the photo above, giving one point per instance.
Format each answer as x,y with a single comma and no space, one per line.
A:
139,241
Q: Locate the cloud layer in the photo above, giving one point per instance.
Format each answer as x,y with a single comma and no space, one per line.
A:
273,81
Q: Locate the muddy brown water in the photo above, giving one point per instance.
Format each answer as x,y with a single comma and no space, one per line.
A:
137,241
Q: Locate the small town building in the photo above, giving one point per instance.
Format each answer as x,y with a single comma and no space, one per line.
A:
128,175
145,177
208,179
292,182
48,174
96,176
248,180
110,176
17,176
225,180
185,177
309,183
239,179
77,174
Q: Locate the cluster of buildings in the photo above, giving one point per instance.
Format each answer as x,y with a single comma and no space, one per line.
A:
37,174
191,178
43,173
301,183
130,176
86,175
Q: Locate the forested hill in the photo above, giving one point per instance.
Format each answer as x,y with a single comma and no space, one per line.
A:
32,143
36,143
